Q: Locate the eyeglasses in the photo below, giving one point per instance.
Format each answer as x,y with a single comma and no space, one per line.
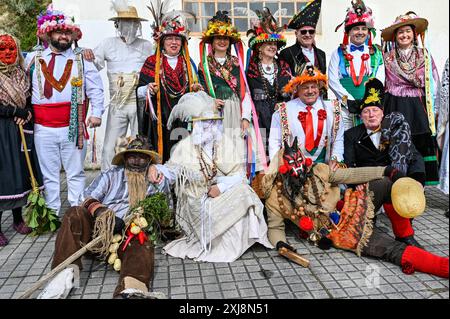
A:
304,32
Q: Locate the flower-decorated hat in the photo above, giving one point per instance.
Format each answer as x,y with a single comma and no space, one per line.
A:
168,22
221,25
309,74
410,18
266,30
373,95
52,20
309,16
358,14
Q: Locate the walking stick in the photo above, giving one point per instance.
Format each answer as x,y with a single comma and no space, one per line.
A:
40,218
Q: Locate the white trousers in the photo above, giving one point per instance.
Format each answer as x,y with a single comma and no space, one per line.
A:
117,126
55,151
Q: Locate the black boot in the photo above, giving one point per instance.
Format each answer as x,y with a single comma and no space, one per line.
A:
410,241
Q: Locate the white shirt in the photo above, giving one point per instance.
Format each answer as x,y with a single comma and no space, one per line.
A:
309,53
292,109
172,60
375,138
92,81
121,57
334,74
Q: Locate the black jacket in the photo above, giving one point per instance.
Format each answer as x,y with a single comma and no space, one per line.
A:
359,151
294,56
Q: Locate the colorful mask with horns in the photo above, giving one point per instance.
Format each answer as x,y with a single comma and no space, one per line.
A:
294,162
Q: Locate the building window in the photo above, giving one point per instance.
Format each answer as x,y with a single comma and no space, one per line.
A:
240,11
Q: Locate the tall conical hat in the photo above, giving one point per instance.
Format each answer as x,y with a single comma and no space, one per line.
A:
309,16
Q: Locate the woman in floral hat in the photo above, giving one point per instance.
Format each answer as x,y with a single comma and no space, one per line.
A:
408,89
223,78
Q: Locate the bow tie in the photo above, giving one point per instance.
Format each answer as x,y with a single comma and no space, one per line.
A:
354,48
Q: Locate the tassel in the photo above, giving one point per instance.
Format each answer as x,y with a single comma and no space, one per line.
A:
345,41
94,147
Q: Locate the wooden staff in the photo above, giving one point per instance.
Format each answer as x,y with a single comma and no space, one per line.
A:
61,267
34,183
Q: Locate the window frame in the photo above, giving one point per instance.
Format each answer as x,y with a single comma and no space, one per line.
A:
200,15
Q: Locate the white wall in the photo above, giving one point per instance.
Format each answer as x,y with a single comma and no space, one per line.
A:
93,17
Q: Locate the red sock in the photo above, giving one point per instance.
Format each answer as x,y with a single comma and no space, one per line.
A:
400,225
421,260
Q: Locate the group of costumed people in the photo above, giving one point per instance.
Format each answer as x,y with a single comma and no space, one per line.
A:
326,165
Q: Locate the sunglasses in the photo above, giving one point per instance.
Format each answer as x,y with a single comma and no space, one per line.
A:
304,32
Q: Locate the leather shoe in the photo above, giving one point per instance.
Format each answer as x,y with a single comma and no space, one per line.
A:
410,241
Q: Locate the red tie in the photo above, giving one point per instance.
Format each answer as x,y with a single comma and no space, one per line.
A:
48,89
309,132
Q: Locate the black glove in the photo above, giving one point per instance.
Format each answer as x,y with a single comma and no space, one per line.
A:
353,106
393,173
282,244
119,223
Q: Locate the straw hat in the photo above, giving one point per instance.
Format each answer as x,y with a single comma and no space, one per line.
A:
408,197
127,145
131,13
409,18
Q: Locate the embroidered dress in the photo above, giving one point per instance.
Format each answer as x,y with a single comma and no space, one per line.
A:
15,183
405,93
174,83
266,95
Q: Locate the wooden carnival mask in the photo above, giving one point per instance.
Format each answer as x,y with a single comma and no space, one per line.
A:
294,162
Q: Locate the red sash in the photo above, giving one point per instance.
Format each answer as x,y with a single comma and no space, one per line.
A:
52,115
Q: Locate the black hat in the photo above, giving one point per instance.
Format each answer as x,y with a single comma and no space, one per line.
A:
373,95
307,17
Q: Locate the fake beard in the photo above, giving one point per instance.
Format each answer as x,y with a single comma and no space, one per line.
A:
206,132
129,30
137,186
293,185
61,46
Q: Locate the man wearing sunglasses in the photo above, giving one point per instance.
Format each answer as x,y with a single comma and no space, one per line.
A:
305,50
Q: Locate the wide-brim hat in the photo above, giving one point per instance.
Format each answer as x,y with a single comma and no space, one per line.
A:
52,20
373,94
309,74
131,13
128,145
309,16
408,197
410,18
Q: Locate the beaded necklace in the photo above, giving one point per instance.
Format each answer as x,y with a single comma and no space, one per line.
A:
208,171
266,83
